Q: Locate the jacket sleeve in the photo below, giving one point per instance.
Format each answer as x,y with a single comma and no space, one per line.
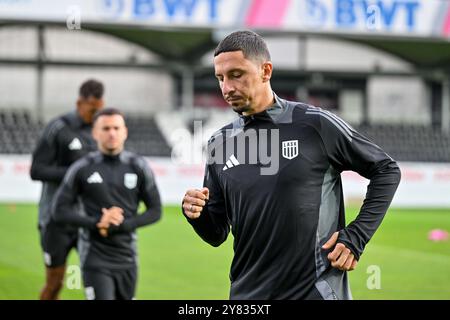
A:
149,194
349,150
63,208
43,165
213,225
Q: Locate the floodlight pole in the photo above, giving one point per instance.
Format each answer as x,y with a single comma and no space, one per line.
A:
446,105
40,73
187,88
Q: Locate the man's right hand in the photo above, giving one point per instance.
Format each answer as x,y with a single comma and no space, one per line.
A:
111,216
193,202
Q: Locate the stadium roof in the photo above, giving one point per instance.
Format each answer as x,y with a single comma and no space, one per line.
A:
189,45
417,31
422,53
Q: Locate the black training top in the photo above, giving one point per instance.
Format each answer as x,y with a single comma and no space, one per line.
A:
64,140
283,208
100,181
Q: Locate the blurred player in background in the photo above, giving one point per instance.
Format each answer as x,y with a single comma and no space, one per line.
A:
290,236
64,140
109,183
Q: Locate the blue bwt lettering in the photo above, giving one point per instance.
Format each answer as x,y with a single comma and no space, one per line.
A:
143,9
349,12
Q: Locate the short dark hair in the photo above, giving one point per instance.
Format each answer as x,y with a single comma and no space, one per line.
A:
250,43
91,88
107,112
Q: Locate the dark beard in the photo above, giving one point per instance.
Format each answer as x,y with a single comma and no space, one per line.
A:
241,110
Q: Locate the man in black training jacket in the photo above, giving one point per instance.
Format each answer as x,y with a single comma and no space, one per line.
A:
64,140
109,184
273,176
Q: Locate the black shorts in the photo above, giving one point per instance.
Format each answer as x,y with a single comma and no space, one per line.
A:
101,284
56,243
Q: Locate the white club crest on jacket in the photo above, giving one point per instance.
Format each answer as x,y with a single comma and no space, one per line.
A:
289,149
130,180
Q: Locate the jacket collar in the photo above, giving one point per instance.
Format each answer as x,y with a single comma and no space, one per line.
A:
270,114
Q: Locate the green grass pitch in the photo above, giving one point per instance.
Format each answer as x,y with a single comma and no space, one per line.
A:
174,263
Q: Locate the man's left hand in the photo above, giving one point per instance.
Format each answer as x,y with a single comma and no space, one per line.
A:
341,257
111,216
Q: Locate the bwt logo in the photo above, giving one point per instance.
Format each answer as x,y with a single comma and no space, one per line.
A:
112,8
374,14
146,9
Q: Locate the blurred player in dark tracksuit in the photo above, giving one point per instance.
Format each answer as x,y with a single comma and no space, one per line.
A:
64,140
109,184
287,214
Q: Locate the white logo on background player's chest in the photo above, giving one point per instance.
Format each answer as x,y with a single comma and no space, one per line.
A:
130,180
95,178
75,144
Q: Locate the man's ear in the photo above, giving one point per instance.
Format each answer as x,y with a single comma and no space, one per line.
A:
267,68
94,133
78,104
